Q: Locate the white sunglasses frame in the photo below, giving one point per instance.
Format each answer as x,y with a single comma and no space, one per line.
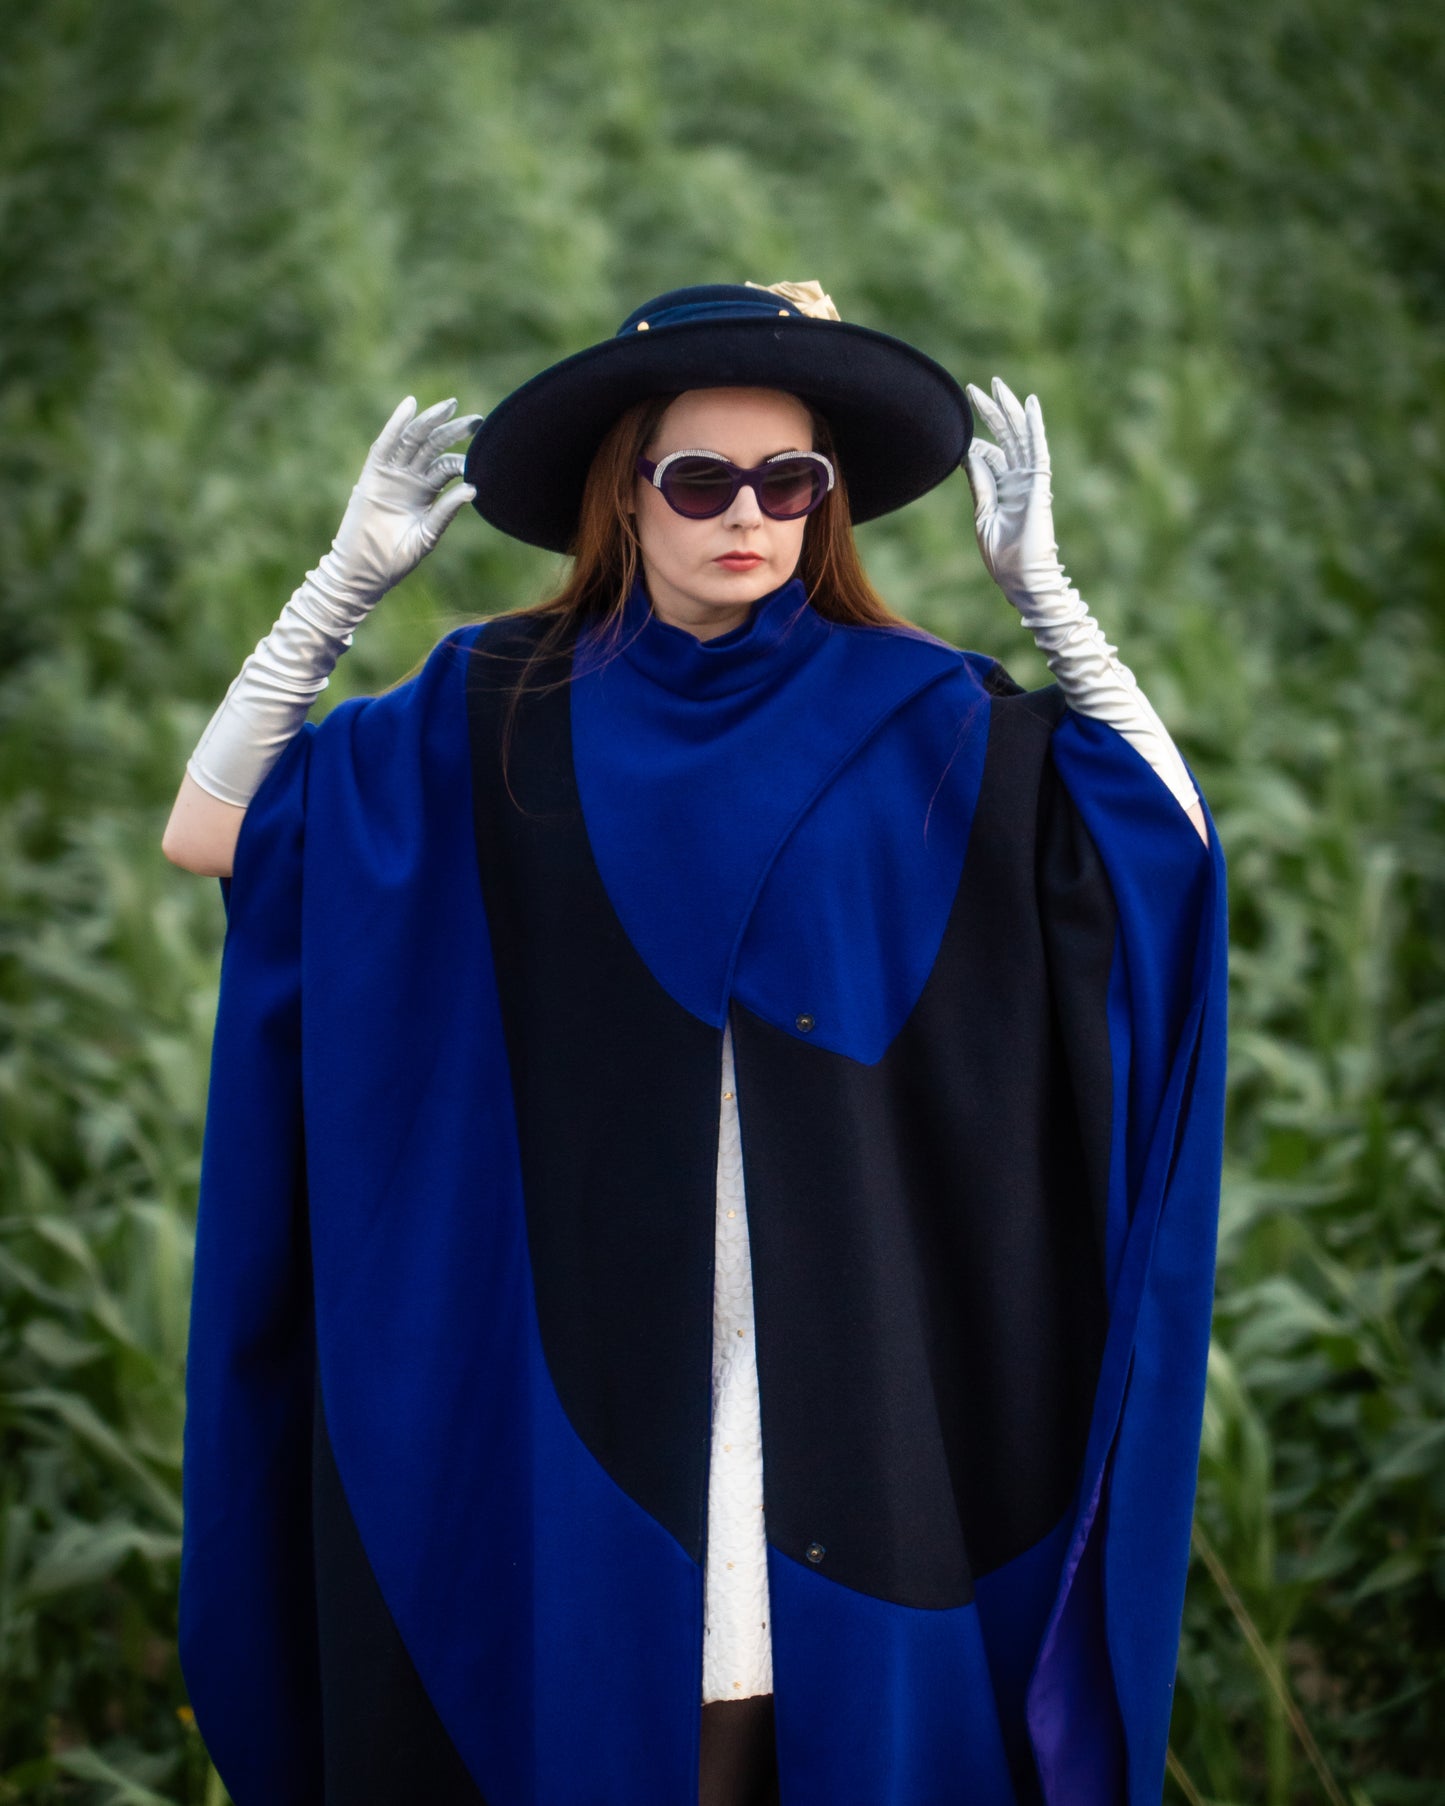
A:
749,477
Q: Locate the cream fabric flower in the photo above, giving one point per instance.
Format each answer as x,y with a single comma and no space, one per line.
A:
808,296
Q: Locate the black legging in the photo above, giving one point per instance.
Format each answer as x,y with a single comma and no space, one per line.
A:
739,1765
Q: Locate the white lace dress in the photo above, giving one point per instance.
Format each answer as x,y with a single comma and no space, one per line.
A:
737,1649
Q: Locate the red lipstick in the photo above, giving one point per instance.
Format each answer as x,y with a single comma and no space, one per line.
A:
739,561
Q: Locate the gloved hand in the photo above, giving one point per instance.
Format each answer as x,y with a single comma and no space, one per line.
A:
395,516
1014,521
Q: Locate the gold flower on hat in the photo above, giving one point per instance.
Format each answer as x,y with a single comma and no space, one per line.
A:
807,297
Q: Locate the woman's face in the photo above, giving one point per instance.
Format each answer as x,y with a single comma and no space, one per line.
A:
703,575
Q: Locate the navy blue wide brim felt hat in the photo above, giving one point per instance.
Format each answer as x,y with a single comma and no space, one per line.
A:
900,422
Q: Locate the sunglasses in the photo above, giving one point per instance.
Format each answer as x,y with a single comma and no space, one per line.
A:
700,484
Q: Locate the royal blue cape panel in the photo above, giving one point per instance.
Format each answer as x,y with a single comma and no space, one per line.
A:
365,1300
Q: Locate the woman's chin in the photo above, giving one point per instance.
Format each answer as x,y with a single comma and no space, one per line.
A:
727,584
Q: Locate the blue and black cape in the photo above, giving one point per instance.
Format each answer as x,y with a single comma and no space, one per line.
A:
449,1375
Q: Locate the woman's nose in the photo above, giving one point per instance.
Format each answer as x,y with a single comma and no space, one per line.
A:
744,511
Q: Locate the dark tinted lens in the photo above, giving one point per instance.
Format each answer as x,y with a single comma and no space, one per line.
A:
792,486
698,486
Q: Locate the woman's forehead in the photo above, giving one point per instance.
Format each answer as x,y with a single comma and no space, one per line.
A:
736,410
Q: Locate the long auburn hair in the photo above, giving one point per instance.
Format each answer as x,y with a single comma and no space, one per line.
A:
606,556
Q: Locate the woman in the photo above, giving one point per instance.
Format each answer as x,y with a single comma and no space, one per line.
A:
699,1073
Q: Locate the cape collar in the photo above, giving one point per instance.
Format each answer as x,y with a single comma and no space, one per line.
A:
781,630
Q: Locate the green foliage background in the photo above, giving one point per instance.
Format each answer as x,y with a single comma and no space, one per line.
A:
1206,233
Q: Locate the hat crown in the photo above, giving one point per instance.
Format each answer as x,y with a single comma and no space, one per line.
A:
707,301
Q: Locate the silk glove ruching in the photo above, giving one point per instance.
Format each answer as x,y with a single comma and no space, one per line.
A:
1014,520
395,517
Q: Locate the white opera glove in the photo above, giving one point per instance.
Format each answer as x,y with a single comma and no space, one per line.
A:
1014,520
394,518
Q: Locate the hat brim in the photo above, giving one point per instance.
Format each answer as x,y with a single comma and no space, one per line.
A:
900,422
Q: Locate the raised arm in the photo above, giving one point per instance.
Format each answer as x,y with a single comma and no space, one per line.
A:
394,518
1014,520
